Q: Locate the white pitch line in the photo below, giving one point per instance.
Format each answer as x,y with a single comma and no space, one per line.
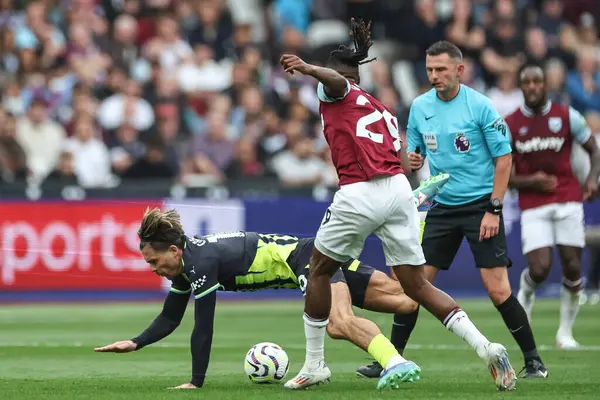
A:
293,347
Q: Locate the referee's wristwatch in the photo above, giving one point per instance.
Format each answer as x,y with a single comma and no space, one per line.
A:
495,206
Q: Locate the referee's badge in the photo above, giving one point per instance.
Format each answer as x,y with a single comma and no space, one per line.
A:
555,124
461,143
431,142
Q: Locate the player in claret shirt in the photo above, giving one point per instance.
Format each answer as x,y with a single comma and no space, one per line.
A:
374,197
550,195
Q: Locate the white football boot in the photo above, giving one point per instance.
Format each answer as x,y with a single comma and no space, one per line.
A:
499,366
309,376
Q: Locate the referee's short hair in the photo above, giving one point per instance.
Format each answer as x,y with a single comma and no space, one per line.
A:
444,47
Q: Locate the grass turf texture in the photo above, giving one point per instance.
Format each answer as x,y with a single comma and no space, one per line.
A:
46,352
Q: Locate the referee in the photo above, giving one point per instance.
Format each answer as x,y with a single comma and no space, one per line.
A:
460,132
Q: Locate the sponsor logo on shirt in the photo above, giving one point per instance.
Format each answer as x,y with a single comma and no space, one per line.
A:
540,144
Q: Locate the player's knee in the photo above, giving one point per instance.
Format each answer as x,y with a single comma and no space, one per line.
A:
572,270
417,291
409,306
323,265
498,294
539,271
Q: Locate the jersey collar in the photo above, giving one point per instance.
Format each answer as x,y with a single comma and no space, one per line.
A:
528,112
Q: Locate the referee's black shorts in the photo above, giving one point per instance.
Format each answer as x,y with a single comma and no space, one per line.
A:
445,228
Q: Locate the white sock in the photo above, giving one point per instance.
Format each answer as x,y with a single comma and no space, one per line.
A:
395,361
528,286
315,331
569,307
460,324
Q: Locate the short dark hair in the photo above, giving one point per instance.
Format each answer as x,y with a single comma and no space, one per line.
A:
444,47
344,55
530,65
161,230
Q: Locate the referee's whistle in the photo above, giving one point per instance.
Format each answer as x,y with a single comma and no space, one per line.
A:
418,150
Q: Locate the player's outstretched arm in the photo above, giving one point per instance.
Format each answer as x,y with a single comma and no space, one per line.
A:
202,335
335,84
162,326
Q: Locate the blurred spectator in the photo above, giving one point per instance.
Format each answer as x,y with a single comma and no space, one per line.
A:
463,29
84,57
506,96
41,138
555,82
246,164
213,28
504,50
536,46
125,149
91,159
430,29
64,173
37,35
122,47
274,140
153,164
168,47
12,157
212,153
471,76
550,21
200,72
126,107
583,84
298,166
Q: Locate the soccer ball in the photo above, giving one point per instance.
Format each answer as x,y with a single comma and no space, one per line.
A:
266,363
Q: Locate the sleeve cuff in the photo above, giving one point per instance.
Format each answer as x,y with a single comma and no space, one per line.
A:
136,340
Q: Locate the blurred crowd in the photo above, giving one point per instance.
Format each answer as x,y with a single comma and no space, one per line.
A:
97,91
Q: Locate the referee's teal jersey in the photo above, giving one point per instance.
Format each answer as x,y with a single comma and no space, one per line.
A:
461,137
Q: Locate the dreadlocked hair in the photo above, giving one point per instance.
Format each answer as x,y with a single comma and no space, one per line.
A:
361,33
160,229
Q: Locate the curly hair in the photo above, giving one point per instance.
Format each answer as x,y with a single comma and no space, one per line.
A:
361,33
160,229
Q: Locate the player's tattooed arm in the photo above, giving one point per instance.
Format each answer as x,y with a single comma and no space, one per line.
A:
202,336
590,187
335,84
166,322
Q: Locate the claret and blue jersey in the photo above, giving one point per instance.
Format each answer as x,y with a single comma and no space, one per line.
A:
461,137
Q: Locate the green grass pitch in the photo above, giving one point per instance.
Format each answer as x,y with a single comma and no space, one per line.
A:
46,353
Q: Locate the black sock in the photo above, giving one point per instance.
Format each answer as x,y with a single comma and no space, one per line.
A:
402,328
516,321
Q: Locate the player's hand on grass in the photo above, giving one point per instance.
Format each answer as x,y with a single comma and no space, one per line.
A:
490,225
186,386
292,63
590,190
544,182
123,346
416,160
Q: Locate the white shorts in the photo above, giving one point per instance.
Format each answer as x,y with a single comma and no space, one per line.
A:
551,225
384,206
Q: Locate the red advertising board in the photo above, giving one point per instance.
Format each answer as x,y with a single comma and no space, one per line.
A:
73,246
